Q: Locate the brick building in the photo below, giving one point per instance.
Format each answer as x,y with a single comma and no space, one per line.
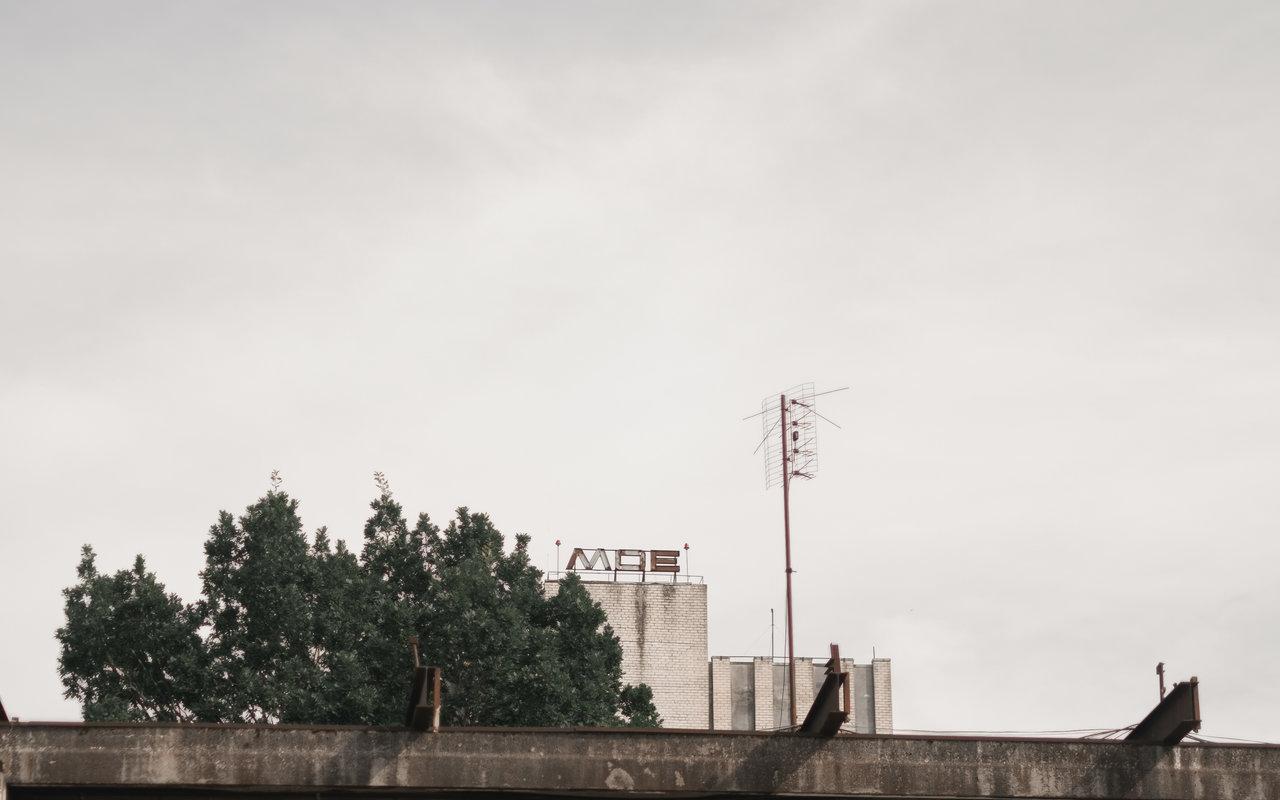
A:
663,629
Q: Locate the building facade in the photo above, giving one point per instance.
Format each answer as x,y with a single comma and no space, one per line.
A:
663,629
662,625
751,694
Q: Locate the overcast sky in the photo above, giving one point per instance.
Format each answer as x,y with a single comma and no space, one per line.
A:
541,259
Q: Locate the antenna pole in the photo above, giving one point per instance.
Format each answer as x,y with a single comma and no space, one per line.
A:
786,527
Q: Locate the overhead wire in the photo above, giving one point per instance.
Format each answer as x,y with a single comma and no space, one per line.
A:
1209,737
767,434
1092,731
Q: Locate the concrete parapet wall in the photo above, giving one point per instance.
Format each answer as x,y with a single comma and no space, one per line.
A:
158,760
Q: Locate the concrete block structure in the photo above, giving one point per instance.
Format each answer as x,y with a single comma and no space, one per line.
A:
752,694
663,629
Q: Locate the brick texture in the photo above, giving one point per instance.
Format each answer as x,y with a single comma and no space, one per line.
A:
805,688
663,629
764,693
721,699
883,681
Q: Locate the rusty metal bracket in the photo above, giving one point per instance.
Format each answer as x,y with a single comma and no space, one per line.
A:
831,707
424,695
1173,718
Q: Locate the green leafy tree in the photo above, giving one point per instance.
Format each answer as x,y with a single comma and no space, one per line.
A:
636,707
288,631
258,585
130,650
342,631
394,559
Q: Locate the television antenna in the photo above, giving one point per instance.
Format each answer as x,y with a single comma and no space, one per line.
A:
791,453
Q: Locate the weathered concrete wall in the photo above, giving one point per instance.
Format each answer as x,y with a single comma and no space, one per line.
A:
742,686
871,693
864,699
153,759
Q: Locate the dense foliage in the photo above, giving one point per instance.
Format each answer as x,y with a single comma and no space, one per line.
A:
296,630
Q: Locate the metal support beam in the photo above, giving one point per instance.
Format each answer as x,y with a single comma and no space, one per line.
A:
424,700
4,718
1173,718
424,695
832,705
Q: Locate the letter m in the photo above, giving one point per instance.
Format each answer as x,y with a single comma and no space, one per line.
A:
599,559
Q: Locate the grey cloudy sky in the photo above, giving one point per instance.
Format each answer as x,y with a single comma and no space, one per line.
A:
540,259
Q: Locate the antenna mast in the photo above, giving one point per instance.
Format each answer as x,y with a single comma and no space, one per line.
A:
786,527
795,455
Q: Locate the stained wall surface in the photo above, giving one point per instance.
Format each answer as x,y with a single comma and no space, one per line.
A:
663,629
752,694
167,761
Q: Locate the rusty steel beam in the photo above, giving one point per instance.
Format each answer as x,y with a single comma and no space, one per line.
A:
4,718
424,694
1173,718
424,700
832,706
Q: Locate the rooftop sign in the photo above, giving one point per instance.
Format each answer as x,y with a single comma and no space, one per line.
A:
624,560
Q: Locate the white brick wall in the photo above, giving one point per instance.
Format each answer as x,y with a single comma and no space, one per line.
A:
663,629
721,699
763,692
805,688
883,682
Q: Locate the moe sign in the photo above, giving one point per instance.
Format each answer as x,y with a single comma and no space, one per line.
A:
625,560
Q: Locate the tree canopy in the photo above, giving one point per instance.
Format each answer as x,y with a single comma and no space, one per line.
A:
291,628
